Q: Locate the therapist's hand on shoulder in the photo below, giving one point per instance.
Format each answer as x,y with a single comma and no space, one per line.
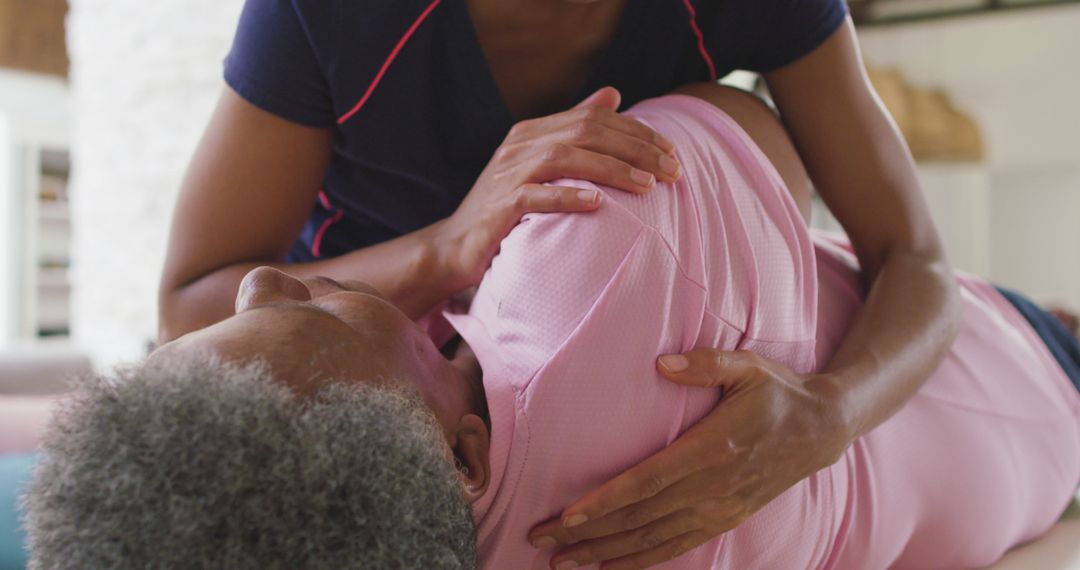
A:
590,142
772,429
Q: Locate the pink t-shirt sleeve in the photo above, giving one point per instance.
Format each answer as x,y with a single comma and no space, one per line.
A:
576,345
575,309
550,270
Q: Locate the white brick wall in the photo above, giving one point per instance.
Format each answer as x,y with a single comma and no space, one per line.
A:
145,76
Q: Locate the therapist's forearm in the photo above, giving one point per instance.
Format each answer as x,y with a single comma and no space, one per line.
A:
865,173
408,270
897,338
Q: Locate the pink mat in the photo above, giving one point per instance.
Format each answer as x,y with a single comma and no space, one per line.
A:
22,422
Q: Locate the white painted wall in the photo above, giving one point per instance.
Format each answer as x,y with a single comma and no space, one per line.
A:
1017,73
145,76
37,105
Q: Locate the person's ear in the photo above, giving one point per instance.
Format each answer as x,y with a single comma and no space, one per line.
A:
471,446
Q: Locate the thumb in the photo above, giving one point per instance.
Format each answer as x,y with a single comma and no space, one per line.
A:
606,97
708,367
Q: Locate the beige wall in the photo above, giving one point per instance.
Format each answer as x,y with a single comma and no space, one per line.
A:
1017,74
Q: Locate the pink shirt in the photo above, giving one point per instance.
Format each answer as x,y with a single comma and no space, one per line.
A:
574,310
568,322
984,457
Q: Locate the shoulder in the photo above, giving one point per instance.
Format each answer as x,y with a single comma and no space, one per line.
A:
551,272
769,34
306,60
330,25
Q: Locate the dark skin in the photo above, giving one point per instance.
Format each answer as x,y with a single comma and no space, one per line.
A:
737,459
311,332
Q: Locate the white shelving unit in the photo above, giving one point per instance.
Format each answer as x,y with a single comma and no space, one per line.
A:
35,219
46,259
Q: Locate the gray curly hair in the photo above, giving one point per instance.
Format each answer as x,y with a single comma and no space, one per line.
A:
194,463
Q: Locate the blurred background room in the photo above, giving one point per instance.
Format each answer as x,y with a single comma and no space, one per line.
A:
102,103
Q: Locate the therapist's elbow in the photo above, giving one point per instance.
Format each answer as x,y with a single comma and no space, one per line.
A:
951,305
170,324
183,308
932,282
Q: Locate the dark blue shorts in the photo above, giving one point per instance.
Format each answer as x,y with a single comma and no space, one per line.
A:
1062,344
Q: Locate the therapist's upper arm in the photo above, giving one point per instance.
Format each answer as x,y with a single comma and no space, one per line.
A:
853,151
250,187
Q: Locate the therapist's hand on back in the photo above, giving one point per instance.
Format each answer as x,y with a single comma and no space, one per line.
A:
590,142
772,429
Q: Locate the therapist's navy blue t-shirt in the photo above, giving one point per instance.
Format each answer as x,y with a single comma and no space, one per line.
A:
409,155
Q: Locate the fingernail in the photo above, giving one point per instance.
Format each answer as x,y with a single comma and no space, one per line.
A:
588,196
574,520
642,178
566,565
543,542
670,166
664,143
675,362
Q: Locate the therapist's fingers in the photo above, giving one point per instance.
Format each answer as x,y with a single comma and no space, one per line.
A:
597,110
669,550
622,123
631,518
602,130
630,542
608,99
643,481
620,137
767,434
633,151
711,368
541,198
570,160
581,123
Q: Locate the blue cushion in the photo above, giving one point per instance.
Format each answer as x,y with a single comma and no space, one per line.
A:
15,471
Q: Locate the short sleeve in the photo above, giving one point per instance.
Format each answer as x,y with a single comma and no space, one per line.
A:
550,270
790,29
274,65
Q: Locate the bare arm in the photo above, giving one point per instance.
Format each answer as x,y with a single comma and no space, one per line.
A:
864,171
775,427
254,178
249,189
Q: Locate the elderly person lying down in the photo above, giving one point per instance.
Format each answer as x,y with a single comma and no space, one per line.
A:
321,428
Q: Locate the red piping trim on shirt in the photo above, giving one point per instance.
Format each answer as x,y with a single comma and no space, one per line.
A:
700,40
389,59
316,244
